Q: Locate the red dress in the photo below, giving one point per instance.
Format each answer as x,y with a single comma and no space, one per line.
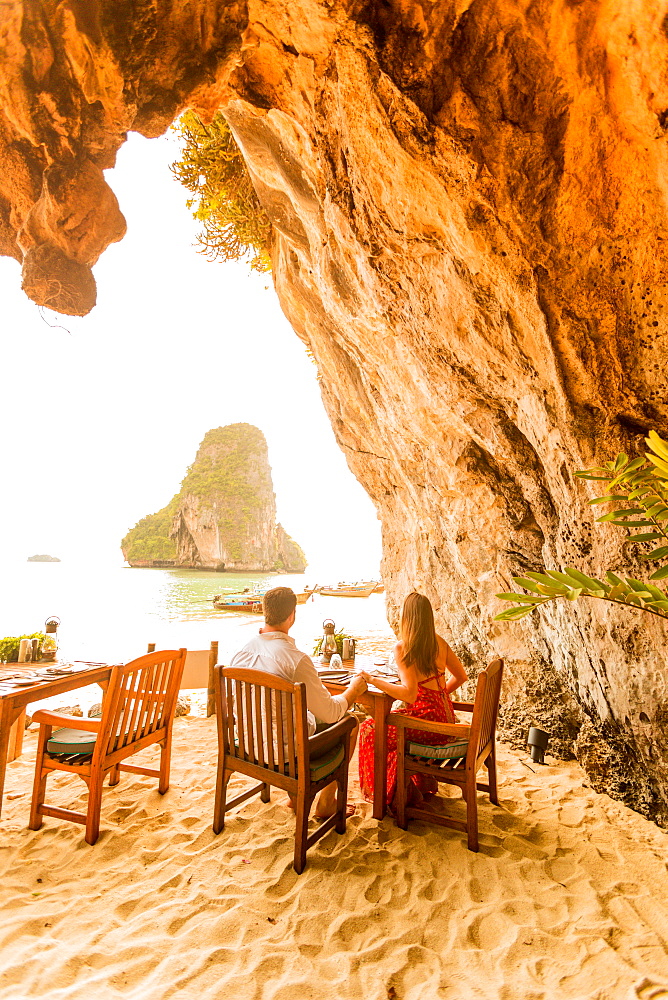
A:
433,705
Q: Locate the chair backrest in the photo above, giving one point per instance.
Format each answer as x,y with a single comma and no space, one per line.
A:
140,699
197,667
262,719
486,707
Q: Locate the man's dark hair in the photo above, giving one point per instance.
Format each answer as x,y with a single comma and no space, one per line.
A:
278,605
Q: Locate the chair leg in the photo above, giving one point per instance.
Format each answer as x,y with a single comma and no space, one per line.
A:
114,775
221,795
39,785
265,794
491,771
301,831
342,798
401,794
94,807
165,761
472,811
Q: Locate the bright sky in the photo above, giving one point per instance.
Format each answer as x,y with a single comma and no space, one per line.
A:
101,422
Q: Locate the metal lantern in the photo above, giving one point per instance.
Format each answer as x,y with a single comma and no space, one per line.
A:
328,645
50,641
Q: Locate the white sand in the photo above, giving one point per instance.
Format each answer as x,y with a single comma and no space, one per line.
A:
568,897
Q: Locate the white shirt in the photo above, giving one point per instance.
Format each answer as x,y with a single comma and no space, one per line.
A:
277,654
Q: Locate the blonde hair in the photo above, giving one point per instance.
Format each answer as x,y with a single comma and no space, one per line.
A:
418,634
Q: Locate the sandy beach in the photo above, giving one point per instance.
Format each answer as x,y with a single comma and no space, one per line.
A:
568,897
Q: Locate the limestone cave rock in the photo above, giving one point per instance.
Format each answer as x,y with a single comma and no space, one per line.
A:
468,202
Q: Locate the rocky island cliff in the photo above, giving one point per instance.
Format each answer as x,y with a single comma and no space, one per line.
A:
224,515
470,232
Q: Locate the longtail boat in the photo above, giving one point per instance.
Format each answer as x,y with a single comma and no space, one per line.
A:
236,602
249,602
347,590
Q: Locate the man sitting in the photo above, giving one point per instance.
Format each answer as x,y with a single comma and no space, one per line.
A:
274,651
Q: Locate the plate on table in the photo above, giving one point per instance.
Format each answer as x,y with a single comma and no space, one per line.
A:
23,682
56,671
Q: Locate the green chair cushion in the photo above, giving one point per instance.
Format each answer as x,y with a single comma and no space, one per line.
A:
319,767
75,741
71,746
446,752
322,766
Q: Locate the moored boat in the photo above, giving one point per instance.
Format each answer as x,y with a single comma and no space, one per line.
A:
354,590
231,602
249,601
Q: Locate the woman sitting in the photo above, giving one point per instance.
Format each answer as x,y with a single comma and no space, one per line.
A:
429,672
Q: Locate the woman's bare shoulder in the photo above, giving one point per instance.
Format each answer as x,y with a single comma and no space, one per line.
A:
442,644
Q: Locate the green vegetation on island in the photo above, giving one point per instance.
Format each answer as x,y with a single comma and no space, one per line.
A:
224,513
149,539
239,476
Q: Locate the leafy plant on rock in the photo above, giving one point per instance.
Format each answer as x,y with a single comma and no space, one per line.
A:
638,493
235,226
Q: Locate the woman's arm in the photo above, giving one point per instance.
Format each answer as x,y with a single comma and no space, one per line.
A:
456,668
407,690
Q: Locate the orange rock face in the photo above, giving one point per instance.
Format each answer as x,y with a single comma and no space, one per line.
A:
469,207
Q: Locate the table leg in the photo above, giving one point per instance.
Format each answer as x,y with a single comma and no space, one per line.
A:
380,710
16,737
8,715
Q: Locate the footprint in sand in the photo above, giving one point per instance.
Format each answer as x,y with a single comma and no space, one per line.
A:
490,931
649,989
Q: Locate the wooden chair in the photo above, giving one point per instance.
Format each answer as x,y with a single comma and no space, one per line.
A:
137,711
262,732
198,672
481,750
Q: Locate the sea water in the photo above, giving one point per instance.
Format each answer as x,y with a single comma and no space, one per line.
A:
109,613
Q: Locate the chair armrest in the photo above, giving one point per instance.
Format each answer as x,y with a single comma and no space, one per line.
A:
319,744
446,728
46,718
462,706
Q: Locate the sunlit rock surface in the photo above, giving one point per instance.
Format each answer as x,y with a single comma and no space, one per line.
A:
469,202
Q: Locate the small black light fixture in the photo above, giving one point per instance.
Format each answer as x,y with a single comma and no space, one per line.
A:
538,741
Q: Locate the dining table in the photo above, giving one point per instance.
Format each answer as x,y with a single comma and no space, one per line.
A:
377,704
24,683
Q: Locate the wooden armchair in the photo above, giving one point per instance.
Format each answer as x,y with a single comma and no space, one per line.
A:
262,732
415,758
137,711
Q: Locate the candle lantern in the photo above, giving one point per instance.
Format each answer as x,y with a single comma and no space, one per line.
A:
328,645
50,641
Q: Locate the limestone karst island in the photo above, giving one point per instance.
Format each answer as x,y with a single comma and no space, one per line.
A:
224,515
429,238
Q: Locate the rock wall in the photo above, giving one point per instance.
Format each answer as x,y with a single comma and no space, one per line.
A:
223,517
469,208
